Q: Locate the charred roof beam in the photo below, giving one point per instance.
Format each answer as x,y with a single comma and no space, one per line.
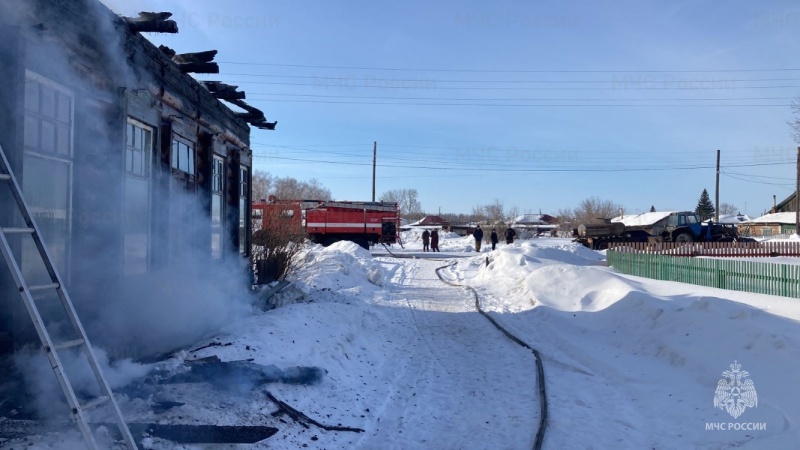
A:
253,116
223,91
152,22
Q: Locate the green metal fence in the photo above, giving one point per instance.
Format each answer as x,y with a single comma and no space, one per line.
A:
747,276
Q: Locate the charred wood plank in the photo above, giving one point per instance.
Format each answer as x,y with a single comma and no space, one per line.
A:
196,57
223,91
199,68
284,408
203,434
182,434
167,51
152,21
264,125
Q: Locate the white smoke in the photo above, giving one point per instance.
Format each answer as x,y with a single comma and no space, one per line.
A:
182,300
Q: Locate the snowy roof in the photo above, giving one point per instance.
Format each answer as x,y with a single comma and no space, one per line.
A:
534,219
732,218
429,221
783,217
644,219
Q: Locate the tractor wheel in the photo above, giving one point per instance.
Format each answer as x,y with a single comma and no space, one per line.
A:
684,238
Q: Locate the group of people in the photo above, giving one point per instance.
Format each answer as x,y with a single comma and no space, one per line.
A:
430,241
478,235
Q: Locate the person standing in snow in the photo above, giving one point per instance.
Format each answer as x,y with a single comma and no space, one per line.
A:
510,233
478,235
493,238
426,235
435,241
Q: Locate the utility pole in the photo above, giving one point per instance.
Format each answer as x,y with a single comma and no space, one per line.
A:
716,199
796,202
374,159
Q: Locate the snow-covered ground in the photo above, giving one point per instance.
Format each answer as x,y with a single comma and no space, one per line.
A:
630,363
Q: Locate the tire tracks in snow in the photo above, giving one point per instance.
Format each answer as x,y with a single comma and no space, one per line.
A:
445,385
539,367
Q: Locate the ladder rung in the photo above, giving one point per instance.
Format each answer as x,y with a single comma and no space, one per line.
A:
5,176
69,344
43,287
99,401
12,230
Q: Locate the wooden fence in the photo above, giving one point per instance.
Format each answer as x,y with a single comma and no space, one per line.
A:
747,276
718,249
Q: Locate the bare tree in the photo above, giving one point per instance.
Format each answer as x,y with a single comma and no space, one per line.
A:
494,212
262,185
406,199
287,188
727,209
512,213
277,237
594,210
795,122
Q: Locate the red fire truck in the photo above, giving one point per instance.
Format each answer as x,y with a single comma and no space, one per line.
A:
326,222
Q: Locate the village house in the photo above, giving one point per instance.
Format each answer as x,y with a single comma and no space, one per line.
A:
769,225
129,165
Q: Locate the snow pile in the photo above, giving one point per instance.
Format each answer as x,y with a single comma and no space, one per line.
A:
655,350
343,270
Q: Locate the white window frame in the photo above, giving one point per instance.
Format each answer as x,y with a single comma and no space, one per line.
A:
148,177
60,158
218,190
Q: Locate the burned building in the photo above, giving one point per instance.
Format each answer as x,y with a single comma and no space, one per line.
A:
131,168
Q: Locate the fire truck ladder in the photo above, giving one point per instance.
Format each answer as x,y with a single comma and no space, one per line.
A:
51,349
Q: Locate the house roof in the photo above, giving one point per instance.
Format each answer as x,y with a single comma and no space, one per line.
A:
784,217
644,219
785,201
535,219
429,221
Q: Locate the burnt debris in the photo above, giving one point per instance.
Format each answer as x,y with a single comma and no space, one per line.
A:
224,91
253,116
198,62
152,22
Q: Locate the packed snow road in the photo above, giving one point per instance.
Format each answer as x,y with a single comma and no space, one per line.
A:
461,384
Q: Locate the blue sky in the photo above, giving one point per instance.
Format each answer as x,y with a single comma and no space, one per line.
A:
538,104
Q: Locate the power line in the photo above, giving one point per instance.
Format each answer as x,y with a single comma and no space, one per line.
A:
786,186
437,80
583,105
633,86
406,69
517,169
524,99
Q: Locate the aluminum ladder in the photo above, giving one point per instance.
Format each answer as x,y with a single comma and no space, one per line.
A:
50,348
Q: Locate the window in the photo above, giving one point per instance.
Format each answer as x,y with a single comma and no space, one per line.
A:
217,228
766,231
136,203
182,156
47,172
243,204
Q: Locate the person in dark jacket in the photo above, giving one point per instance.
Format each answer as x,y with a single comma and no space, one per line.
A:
426,235
510,233
435,240
478,235
493,238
